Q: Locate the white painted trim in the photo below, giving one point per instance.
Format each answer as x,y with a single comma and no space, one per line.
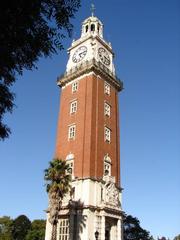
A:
72,132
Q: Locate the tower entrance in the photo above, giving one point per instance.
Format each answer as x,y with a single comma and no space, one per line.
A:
107,233
111,232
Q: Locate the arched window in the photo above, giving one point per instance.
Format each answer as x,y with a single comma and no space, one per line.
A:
86,28
98,28
70,162
107,169
92,27
107,165
70,169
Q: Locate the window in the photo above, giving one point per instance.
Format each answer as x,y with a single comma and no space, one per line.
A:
73,107
86,28
74,86
107,169
70,163
63,229
107,165
71,132
107,134
70,167
107,109
92,27
107,88
98,27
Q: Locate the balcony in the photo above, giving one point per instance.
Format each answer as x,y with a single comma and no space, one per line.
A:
86,67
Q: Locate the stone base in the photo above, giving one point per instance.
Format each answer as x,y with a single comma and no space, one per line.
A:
85,213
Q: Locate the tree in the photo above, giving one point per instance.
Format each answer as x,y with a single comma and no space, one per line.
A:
177,237
58,185
133,231
5,228
29,30
37,231
21,225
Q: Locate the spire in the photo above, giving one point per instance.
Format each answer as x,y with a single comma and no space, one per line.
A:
92,25
92,9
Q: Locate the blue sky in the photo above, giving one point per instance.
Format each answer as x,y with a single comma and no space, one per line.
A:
145,36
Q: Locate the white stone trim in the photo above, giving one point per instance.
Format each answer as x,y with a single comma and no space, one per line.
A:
107,88
73,106
79,78
72,132
75,86
107,109
107,134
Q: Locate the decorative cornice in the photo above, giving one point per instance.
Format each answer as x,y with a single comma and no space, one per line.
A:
90,66
92,37
109,210
100,180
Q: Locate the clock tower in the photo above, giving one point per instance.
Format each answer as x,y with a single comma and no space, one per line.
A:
88,139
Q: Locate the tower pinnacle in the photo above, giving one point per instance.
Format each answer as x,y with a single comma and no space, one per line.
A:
92,9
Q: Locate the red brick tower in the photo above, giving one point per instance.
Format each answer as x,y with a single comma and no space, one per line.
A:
88,138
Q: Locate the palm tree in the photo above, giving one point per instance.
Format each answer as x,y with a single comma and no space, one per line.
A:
58,185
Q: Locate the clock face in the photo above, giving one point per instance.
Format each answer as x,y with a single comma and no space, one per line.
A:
79,54
104,56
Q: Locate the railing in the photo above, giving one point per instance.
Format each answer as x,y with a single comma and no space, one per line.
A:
87,64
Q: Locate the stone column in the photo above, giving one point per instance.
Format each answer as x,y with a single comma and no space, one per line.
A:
48,229
71,226
119,236
103,228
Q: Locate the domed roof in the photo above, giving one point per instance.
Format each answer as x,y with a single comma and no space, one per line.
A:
92,26
92,19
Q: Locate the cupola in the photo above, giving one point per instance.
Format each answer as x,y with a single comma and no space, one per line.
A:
92,26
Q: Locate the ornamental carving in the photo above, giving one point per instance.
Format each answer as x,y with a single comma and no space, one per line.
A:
112,194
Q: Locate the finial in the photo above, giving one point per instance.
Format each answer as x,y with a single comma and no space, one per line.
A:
92,9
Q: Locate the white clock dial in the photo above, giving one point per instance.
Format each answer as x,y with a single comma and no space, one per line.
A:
104,56
79,54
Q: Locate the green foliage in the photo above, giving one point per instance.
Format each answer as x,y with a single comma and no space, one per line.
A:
58,185
6,105
20,227
177,237
29,30
57,178
37,231
133,231
38,224
5,228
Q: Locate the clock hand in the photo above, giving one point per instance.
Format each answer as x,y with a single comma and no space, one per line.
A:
82,53
106,59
